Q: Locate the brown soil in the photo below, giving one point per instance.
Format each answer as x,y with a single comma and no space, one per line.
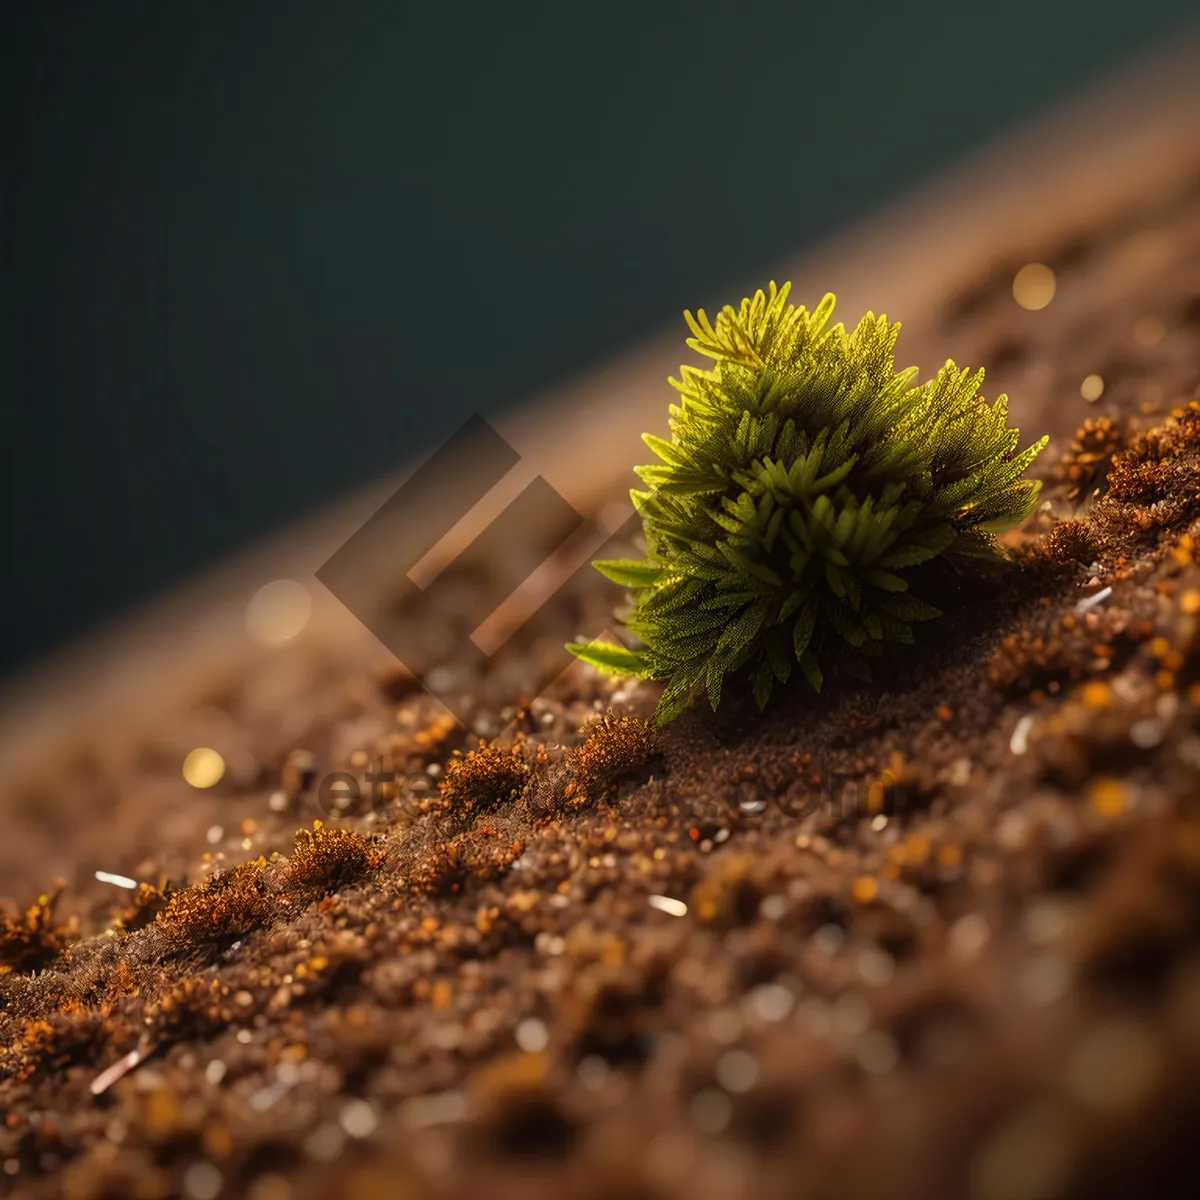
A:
942,933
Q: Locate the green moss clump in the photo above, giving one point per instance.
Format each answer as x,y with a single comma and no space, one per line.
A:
805,477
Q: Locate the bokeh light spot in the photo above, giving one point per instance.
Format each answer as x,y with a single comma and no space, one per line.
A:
1149,330
203,767
278,611
1034,286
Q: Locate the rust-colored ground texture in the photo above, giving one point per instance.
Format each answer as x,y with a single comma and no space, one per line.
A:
937,936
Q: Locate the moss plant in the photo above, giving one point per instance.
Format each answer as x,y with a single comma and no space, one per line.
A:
805,477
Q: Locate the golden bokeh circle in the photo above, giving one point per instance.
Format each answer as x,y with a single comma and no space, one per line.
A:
203,767
1034,286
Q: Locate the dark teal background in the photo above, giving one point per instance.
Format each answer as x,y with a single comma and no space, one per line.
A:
254,254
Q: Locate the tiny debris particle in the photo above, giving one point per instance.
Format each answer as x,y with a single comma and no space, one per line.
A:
1019,742
1092,388
668,905
118,1070
1090,602
117,880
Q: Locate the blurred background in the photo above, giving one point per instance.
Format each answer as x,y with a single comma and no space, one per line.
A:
256,254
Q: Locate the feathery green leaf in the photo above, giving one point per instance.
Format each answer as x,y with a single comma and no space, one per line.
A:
804,478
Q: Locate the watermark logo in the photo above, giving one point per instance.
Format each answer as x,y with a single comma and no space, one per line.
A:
431,627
